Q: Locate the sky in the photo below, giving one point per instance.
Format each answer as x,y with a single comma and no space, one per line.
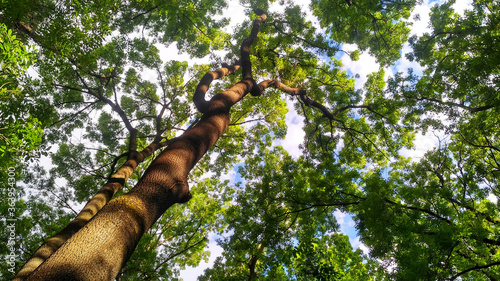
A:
295,135
364,66
294,120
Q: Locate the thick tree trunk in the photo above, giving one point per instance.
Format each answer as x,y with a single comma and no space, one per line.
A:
101,248
102,197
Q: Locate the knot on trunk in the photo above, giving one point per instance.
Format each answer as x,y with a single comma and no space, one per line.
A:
255,90
181,190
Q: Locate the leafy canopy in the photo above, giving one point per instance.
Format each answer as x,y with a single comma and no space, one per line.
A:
106,91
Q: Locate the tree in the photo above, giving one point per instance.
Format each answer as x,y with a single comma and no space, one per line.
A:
378,26
447,201
440,209
432,219
291,234
163,184
70,48
70,45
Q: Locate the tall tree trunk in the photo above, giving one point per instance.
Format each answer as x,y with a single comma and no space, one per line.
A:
101,248
100,199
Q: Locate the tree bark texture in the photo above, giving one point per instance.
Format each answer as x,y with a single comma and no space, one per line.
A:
102,197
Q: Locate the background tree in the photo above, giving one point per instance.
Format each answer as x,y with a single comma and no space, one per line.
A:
448,200
377,26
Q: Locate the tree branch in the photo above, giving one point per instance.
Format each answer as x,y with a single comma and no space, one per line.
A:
204,84
474,268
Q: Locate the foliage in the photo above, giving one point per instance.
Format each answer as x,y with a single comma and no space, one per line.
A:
379,26
443,208
294,221
20,131
107,92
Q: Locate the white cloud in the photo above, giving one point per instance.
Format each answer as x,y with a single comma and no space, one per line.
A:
461,5
172,53
295,134
423,143
365,65
192,273
357,244
421,26
493,198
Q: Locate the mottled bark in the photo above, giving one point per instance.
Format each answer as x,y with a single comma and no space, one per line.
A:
199,95
100,249
101,198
